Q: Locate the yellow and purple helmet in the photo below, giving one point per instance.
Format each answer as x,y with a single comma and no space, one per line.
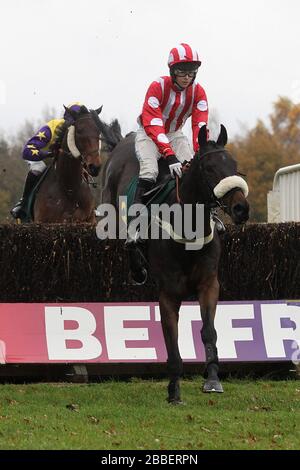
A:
75,107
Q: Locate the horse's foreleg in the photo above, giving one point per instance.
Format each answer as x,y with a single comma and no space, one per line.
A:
208,298
169,309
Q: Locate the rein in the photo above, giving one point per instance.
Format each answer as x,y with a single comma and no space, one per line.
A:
184,169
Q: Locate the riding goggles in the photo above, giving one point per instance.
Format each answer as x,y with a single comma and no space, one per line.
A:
183,73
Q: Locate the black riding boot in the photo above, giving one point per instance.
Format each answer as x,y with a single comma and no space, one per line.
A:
18,212
143,187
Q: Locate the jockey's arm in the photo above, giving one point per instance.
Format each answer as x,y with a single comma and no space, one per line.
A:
152,120
199,114
37,148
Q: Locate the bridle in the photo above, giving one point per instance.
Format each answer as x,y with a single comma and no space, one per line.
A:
74,152
79,154
212,201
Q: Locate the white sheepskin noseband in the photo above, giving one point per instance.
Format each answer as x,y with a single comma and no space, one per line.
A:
71,142
231,182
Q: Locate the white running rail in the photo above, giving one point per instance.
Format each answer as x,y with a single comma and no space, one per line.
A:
284,199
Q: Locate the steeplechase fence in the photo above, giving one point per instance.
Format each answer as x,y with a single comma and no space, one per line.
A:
65,299
69,263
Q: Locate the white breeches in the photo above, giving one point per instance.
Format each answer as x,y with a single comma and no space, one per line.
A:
148,154
36,167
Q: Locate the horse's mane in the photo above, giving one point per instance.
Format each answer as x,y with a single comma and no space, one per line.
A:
212,143
60,135
130,133
111,133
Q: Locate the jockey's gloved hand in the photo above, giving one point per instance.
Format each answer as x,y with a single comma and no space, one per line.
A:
174,166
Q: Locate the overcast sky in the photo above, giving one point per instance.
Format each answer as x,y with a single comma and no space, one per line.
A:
109,51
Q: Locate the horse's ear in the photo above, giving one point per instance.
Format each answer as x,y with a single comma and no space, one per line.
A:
202,137
98,110
83,110
222,139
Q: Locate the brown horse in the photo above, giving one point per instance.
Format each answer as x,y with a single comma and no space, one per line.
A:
212,180
65,194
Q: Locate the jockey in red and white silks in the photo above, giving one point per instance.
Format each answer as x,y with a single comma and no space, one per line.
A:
169,102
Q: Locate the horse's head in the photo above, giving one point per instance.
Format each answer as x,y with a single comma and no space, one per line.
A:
84,139
218,173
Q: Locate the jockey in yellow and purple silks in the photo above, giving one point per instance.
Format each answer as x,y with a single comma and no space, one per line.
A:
37,149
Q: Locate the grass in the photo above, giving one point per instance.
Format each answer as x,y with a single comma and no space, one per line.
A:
134,415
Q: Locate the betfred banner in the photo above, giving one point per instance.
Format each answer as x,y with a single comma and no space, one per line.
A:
113,332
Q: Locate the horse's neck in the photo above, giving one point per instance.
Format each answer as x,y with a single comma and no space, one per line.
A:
192,188
192,193
193,217
69,171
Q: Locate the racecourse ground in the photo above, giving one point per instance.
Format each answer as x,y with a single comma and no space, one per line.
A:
134,415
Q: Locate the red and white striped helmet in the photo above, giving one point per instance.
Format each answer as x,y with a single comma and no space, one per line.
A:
183,54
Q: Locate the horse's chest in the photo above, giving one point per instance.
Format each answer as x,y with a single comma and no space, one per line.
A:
77,207
193,271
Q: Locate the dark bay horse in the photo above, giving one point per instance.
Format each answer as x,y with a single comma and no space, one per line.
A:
65,194
212,180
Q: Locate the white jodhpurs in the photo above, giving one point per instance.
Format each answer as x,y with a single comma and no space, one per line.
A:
148,154
36,167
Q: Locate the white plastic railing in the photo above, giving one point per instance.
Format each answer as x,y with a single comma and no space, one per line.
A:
284,199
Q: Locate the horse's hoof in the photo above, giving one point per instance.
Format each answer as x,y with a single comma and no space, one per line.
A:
212,386
138,278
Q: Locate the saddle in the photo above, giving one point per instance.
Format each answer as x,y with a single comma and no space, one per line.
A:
156,195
